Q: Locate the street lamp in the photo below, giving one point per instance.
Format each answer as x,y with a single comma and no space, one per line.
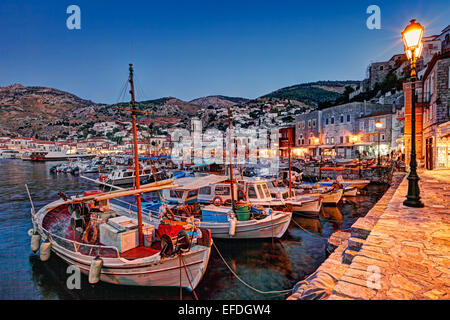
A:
412,40
378,125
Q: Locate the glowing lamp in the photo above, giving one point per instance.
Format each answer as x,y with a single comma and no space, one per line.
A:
378,124
412,39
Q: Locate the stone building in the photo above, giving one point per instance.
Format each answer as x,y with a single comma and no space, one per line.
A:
378,71
436,112
370,136
337,130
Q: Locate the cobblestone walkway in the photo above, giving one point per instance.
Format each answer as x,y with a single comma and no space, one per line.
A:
406,255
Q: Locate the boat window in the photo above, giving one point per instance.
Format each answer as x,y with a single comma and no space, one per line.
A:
274,195
224,191
176,194
128,174
285,195
252,192
192,193
266,190
260,191
205,190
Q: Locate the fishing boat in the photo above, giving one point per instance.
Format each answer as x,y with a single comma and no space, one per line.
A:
114,244
243,221
9,154
127,176
350,191
359,184
258,192
331,194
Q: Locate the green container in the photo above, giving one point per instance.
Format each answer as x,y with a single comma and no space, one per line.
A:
243,213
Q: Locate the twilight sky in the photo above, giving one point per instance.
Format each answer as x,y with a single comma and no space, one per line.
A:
190,49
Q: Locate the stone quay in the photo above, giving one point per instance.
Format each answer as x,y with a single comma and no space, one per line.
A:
394,252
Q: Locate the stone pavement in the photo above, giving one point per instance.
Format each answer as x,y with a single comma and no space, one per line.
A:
406,255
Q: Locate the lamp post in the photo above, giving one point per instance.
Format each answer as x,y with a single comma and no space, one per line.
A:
412,40
378,125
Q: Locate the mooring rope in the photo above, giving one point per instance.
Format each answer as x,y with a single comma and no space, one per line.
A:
245,283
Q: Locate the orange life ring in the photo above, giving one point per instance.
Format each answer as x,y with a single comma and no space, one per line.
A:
241,194
215,201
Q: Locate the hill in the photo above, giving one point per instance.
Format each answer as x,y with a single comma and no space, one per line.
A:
312,93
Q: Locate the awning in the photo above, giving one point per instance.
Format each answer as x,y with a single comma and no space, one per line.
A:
327,146
189,183
444,129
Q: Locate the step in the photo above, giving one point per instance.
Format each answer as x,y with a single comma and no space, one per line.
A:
348,256
355,244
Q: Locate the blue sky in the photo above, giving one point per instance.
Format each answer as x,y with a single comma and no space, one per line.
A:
189,49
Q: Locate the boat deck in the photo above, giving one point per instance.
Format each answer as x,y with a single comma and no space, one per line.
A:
57,221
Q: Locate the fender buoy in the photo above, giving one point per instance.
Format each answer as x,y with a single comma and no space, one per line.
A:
30,232
241,194
35,241
217,198
232,229
95,269
45,250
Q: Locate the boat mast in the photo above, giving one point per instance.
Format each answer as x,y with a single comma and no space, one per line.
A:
136,158
231,157
289,156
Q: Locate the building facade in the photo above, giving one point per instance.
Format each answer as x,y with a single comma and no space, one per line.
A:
436,112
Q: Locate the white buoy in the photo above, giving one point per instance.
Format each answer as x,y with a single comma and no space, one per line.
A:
45,250
35,241
94,270
232,229
30,232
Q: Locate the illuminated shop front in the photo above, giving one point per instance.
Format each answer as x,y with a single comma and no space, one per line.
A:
443,146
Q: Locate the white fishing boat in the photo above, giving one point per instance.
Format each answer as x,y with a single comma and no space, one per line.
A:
241,222
127,176
9,154
310,204
112,252
360,184
330,195
114,244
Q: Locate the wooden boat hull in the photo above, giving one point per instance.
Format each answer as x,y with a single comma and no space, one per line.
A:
308,207
350,192
273,226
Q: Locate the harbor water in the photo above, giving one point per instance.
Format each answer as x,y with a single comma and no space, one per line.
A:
268,265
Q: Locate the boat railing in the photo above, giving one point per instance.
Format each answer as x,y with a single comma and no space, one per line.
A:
82,248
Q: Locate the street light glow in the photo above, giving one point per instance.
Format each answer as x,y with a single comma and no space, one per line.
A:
378,124
412,39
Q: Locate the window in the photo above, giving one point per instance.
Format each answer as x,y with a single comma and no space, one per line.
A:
342,118
224,191
303,124
348,118
176,194
326,121
252,192
205,190
314,121
309,123
382,137
260,191
341,139
303,141
328,140
371,125
381,68
332,120
361,125
332,139
309,141
192,193
347,139
266,191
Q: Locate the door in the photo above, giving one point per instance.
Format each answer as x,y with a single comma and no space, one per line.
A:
429,153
